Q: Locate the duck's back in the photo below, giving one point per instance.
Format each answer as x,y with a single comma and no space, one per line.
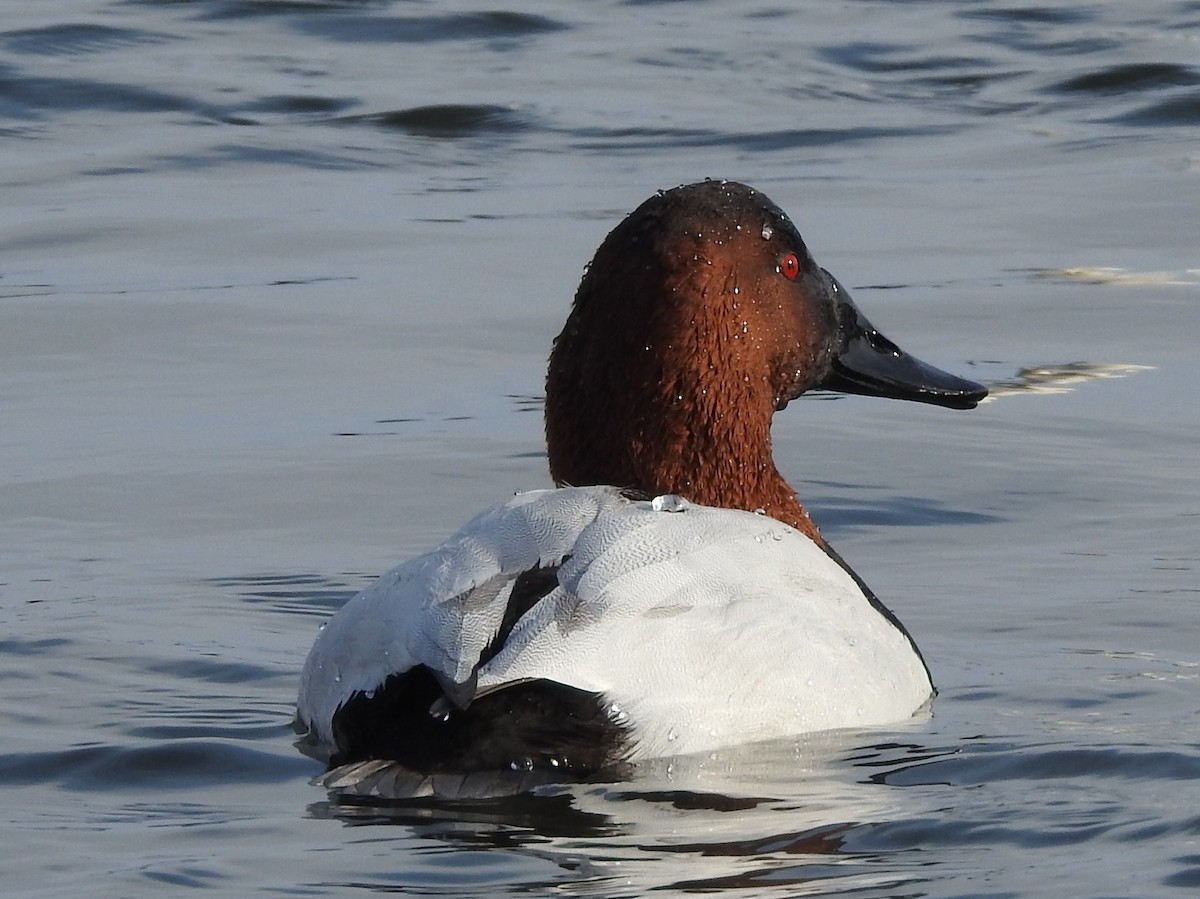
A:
686,627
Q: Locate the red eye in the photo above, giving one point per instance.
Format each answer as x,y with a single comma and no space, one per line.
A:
790,266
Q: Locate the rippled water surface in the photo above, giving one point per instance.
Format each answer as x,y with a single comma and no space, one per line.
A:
277,286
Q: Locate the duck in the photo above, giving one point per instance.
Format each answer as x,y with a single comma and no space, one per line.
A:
669,595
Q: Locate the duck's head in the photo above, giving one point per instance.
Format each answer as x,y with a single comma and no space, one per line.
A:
701,315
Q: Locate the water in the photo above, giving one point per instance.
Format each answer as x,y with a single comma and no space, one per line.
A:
278,285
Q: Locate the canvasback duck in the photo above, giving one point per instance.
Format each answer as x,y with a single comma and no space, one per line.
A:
675,597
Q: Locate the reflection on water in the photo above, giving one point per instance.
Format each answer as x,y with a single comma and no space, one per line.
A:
499,823
1059,378
1119,276
724,820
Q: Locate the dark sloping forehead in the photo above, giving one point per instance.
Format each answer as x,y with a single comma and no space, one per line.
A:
723,207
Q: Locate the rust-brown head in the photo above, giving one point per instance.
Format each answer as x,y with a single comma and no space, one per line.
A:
701,315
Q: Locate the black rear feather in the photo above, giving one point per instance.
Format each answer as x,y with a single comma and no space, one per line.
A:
525,726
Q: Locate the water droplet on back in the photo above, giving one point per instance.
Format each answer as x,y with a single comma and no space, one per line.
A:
668,502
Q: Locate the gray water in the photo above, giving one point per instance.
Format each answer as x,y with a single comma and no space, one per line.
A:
277,285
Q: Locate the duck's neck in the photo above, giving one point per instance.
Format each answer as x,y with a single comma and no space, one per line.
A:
718,454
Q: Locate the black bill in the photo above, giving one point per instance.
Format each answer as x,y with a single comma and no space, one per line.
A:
871,365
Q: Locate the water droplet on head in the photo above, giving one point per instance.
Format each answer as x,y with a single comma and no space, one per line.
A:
767,232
